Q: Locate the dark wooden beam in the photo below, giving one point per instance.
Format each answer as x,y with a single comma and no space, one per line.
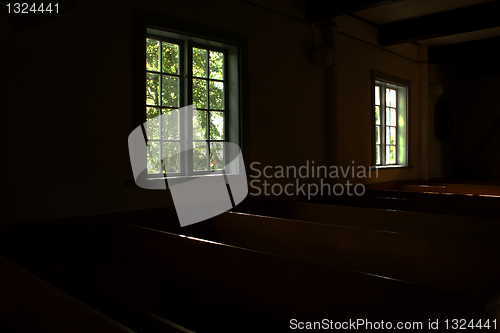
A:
452,22
467,51
318,10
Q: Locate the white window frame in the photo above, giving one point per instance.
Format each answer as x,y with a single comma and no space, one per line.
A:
402,89
232,112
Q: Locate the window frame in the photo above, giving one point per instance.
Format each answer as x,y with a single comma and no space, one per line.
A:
182,93
193,33
403,93
208,109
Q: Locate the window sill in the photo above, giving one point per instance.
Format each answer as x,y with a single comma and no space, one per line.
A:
174,180
388,167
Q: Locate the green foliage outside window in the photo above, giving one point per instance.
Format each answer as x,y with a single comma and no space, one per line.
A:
163,95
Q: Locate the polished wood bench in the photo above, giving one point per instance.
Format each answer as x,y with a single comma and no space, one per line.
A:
30,304
469,228
452,189
260,269
271,285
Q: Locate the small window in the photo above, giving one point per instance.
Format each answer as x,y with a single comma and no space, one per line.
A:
390,122
183,70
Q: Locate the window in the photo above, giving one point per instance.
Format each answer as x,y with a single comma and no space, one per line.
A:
178,70
390,122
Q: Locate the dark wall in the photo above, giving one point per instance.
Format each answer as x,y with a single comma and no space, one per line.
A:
67,100
66,90
471,151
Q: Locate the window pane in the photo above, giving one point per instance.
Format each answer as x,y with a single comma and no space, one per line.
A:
390,97
170,91
390,135
153,123
152,54
152,89
170,156
170,125
377,154
152,113
217,125
200,156
154,165
390,156
377,115
377,134
170,58
216,95
200,126
216,155
377,95
393,116
200,93
199,62
216,65
390,116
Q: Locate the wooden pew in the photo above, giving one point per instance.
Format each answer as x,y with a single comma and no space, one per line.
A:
462,266
439,197
451,252
468,193
61,251
29,304
341,270
305,272
468,228
273,286
427,203
452,189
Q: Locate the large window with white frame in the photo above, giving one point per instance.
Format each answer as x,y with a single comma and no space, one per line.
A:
390,100
184,70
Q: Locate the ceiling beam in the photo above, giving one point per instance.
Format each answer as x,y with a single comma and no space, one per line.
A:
467,51
318,10
478,17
